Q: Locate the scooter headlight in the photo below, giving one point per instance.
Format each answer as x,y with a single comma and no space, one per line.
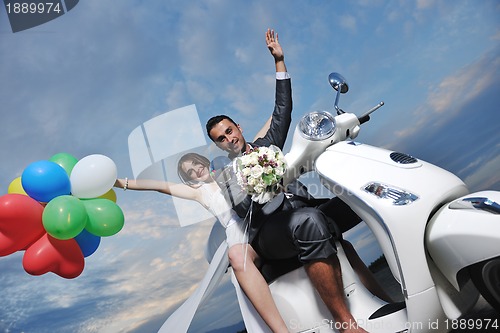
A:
318,125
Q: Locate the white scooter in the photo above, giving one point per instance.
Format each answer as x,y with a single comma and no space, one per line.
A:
441,243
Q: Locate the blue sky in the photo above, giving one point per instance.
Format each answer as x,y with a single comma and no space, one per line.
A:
81,83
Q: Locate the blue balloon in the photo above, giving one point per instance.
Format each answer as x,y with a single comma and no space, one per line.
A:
88,242
45,180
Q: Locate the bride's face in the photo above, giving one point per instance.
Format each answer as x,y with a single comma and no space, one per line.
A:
195,171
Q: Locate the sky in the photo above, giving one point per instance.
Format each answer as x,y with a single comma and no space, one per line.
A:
83,82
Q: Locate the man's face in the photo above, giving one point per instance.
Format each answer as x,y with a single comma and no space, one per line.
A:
228,137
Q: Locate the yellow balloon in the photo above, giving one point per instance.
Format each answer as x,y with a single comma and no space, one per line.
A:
16,187
110,195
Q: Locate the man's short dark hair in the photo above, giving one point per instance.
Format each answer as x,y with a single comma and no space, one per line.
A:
214,121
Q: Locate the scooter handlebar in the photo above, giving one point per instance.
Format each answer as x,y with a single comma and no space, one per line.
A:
364,119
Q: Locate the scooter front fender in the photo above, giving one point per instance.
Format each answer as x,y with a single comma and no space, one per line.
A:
460,235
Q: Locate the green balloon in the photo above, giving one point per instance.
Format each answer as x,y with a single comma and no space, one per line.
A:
105,217
66,161
64,217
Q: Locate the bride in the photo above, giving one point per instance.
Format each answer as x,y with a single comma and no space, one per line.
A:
198,185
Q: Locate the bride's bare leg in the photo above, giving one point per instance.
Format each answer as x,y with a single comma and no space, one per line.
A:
255,286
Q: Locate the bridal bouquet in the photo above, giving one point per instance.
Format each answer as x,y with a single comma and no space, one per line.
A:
260,171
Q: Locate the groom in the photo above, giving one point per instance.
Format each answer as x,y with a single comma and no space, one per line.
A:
294,226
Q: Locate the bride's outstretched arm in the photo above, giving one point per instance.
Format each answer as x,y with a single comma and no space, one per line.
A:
177,190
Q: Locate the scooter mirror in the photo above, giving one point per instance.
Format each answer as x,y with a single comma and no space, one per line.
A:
336,81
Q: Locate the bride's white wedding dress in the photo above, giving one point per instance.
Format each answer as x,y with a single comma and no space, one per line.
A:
236,233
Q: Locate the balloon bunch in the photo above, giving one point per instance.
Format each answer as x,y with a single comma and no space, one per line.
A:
57,211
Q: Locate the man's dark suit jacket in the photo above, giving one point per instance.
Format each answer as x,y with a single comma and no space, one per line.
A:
281,118
276,135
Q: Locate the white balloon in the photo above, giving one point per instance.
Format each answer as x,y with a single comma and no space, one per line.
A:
92,176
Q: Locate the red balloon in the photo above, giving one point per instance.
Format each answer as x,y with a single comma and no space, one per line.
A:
20,222
48,254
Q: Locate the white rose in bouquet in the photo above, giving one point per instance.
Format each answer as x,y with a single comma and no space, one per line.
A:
260,171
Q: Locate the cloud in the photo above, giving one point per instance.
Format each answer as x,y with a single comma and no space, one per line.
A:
68,90
177,95
424,4
243,55
496,35
446,100
348,22
485,175
201,37
152,287
245,100
139,277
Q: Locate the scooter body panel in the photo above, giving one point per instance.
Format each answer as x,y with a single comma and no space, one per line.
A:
456,236
348,169
303,310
